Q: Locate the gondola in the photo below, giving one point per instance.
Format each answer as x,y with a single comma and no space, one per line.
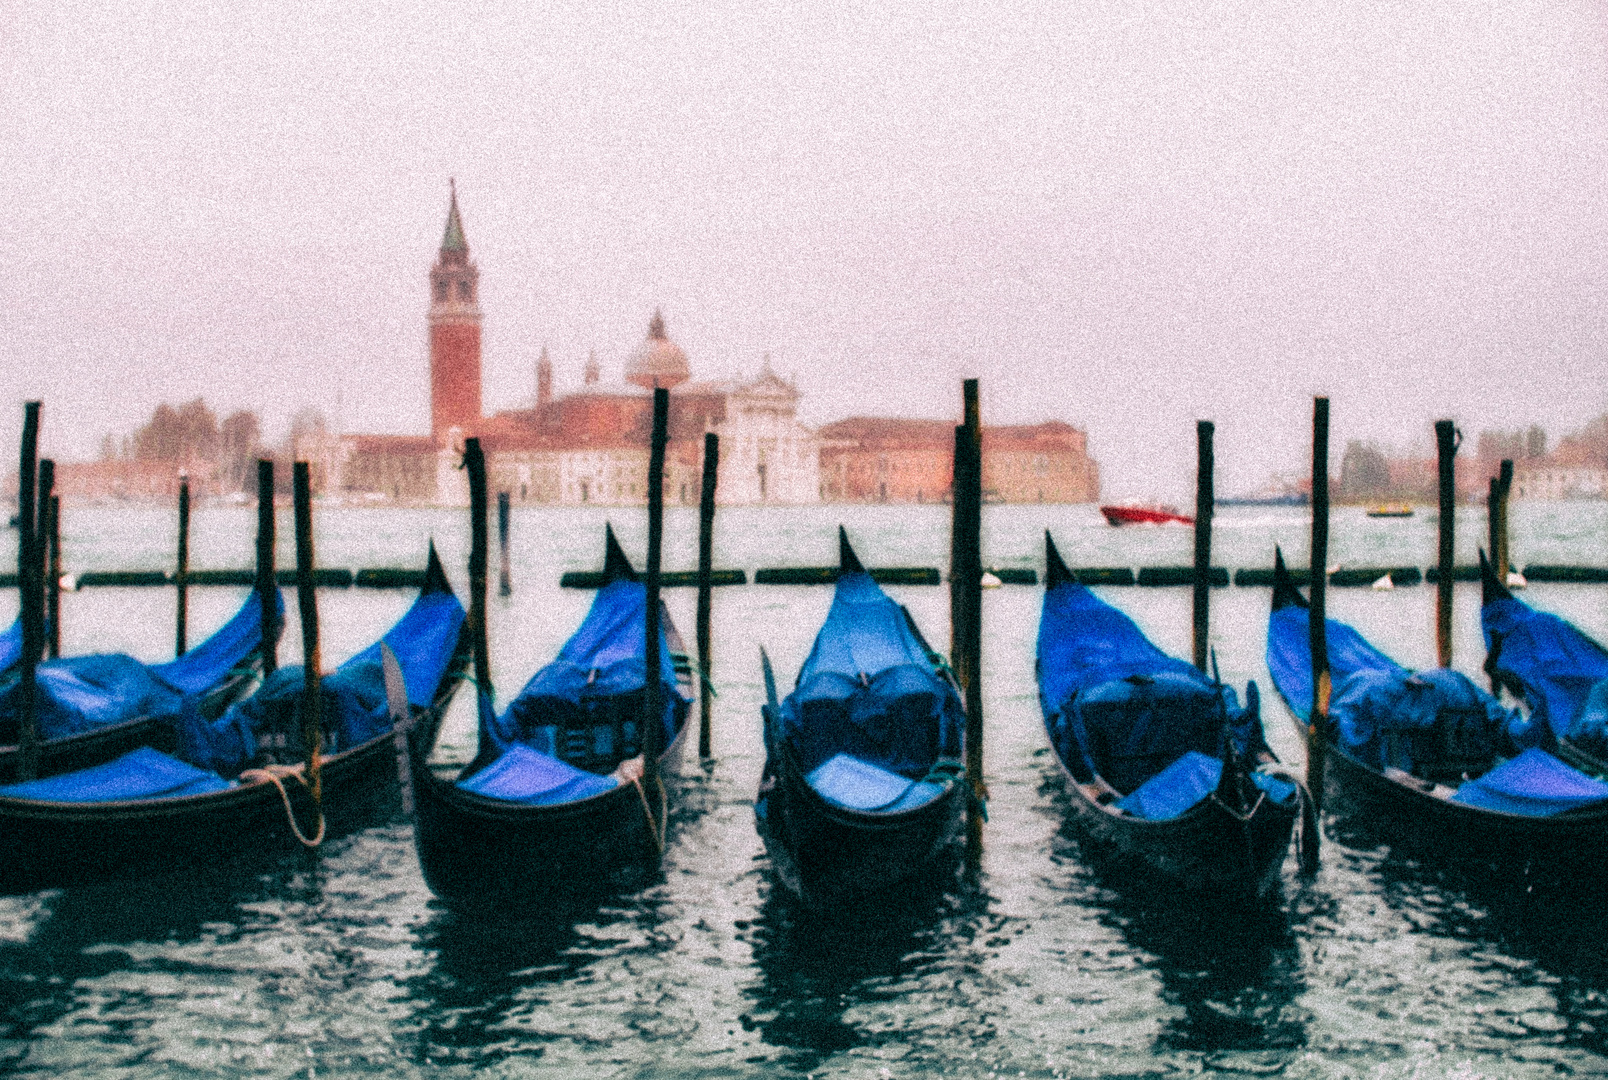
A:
1161,763
554,804
863,786
1428,759
1553,667
93,708
234,784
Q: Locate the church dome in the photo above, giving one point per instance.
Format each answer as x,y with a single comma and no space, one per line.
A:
659,362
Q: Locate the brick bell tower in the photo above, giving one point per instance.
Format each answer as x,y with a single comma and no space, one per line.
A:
454,332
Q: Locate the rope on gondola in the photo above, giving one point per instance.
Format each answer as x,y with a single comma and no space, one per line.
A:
275,775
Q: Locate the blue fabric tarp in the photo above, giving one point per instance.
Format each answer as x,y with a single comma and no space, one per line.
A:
601,663
353,709
1116,705
868,690
523,775
1179,787
139,774
85,693
860,785
1534,784
11,644
1557,666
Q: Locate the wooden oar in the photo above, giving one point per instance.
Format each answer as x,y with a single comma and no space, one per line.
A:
396,704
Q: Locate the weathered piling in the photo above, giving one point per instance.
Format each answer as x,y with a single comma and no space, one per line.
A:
966,600
266,586
1445,450
29,593
653,696
1317,635
706,560
1504,488
48,586
474,463
1203,539
53,580
505,579
307,604
181,572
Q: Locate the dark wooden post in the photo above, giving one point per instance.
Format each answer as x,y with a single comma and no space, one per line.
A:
1204,507
1317,630
53,580
966,599
49,595
706,560
505,580
28,591
266,585
1493,526
307,602
1502,550
181,575
474,463
1446,450
653,688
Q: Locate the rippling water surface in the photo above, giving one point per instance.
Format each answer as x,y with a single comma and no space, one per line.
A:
1045,964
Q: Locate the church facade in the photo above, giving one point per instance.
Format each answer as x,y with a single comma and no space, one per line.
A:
591,446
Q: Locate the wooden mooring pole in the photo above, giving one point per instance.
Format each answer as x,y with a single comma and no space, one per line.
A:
29,593
966,601
181,573
706,561
53,580
49,584
267,588
1317,636
653,686
307,604
474,463
1204,505
1446,451
1502,551
505,580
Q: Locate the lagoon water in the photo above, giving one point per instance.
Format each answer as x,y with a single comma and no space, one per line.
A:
1048,963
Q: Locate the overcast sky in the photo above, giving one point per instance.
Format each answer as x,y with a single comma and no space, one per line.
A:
1124,214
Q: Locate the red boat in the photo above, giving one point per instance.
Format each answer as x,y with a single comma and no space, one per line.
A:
1144,515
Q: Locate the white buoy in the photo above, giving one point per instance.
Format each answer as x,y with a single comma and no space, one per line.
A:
1384,582
69,583
1515,580
989,581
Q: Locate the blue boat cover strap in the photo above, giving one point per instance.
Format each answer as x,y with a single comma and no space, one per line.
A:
859,785
526,776
139,774
1117,706
353,708
1554,662
869,691
1534,784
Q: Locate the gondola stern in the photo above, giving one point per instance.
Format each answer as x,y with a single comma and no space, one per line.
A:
616,566
1492,587
1285,591
848,561
1056,572
435,575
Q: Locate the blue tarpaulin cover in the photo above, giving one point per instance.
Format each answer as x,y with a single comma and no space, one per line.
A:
869,691
11,644
84,693
1534,784
1117,706
523,775
1386,716
601,662
1171,792
1555,663
139,774
354,707
860,785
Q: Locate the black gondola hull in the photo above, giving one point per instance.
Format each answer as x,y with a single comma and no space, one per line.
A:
1369,805
1211,849
826,854
493,856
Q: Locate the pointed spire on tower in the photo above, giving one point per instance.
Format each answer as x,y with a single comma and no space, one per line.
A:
656,326
453,239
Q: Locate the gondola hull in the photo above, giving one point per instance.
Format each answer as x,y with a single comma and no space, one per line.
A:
1371,806
1210,849
828,854
490,855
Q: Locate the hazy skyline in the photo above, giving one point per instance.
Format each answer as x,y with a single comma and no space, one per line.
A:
1117,215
